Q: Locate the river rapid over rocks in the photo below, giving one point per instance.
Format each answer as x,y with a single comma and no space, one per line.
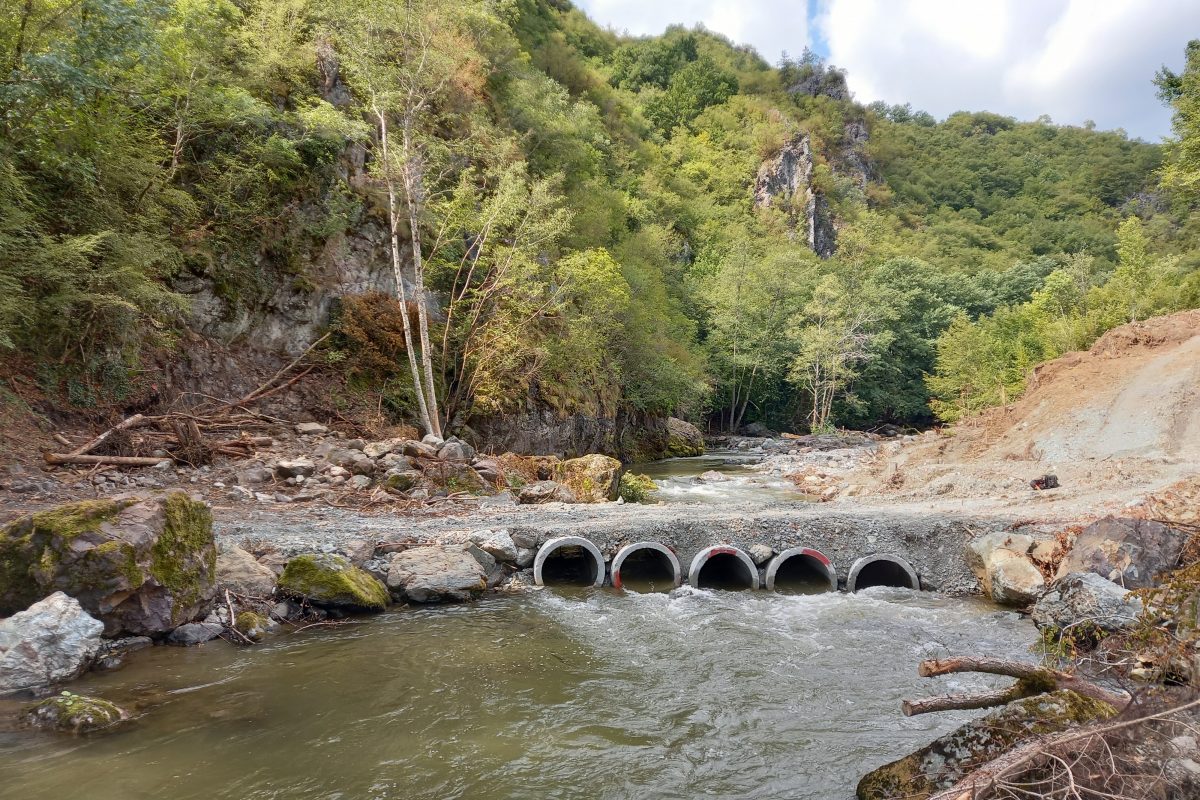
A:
555,693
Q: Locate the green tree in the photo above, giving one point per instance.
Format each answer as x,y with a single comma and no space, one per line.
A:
1182,92
835,333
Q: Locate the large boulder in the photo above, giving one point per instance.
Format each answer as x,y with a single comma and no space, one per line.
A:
1085,597
331,581
498,544
683,439
141,567
980,550
1130,552
593,478
436,575
53,640
1003,564
73,713
545,492
240,573
1012,579
945,761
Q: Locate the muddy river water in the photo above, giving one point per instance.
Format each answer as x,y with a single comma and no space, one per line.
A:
553,694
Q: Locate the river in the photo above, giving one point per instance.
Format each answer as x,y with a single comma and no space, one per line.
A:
679,479
554,694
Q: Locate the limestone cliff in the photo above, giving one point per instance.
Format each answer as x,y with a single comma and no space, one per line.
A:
786,182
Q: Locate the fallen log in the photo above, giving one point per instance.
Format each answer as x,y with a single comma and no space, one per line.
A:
249,442
1031,680
991,780
126,424
118,461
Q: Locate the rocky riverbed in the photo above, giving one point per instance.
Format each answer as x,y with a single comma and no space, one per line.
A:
89,586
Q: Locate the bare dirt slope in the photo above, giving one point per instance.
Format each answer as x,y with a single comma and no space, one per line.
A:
1114,424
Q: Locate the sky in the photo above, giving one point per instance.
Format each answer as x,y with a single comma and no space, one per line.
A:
1074,60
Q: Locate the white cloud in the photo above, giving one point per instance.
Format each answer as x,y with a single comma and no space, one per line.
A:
1072,59
771,26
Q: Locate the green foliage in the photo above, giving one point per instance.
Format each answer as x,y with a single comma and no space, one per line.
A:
585,210
1181,173
695,87
635,488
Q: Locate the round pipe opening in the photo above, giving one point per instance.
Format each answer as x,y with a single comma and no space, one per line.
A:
568,561
882,570
801,570
723,568
646,567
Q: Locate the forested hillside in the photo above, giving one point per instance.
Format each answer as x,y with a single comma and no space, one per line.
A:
497,208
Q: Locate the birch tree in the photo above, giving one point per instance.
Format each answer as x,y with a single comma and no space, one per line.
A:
836,331
405,60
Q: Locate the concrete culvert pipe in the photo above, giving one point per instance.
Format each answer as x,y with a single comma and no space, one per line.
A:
646,567
882,570
801,570
568,561
723,567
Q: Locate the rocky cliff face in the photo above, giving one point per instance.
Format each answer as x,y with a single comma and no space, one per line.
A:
785,182
630,437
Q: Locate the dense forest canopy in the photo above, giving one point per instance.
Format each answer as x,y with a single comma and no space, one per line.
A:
578,220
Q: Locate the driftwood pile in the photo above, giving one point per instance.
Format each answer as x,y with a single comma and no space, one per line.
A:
191,436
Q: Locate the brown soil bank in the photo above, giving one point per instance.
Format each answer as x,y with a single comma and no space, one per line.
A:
1114,423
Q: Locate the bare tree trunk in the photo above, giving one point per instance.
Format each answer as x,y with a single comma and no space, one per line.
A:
412,192
398,271
1032,680
745,400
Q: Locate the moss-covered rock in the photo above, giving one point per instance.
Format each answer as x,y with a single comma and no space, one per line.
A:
139,566
325,579
592,478
683,439
947,760
251,625
73,713
636,488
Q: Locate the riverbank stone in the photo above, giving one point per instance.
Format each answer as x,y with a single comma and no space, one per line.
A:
142,567
592,478
331,581
73,714
436,575
53,640
545,492
1012,579
499,544
194,633
945,761
1129,552
1087,597
239,572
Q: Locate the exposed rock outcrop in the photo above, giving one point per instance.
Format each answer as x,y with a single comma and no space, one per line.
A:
683,439
53,640
194,633
141,567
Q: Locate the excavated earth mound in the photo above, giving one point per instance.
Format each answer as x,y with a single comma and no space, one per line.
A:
1114,424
